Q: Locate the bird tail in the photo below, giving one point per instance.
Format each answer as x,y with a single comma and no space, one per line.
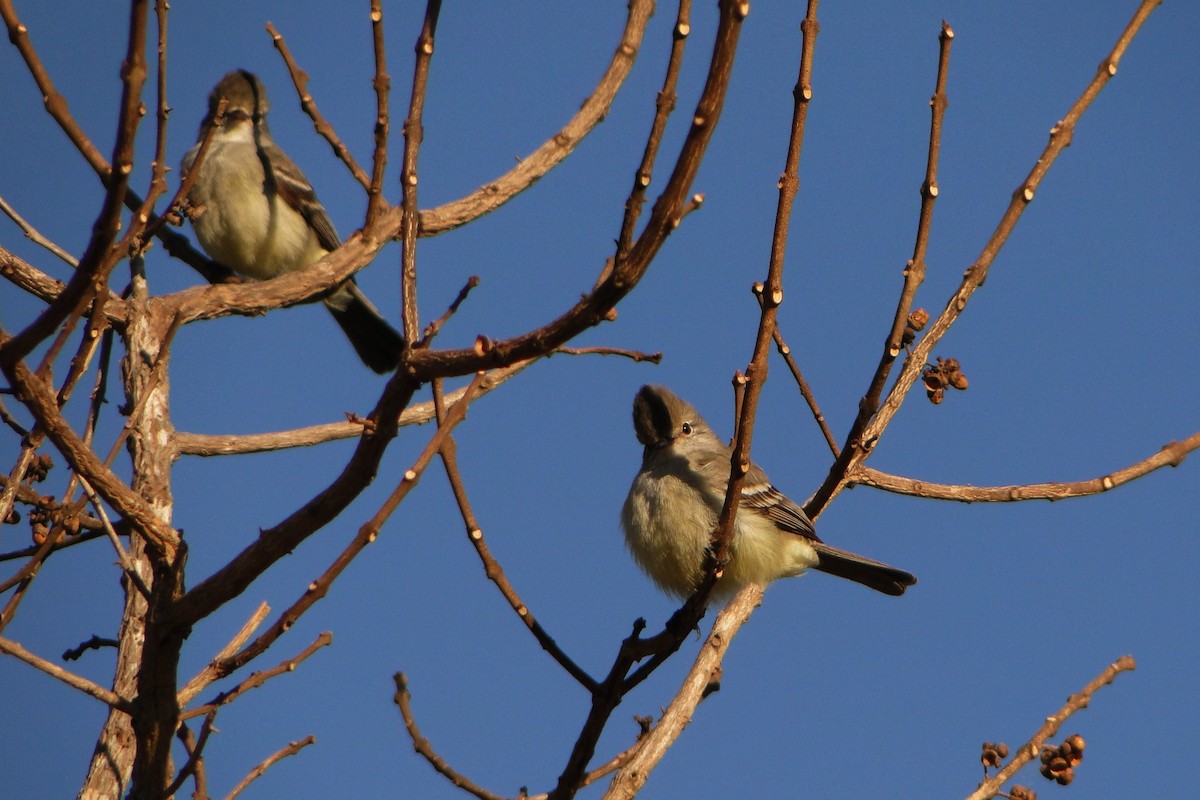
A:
377,343
875,574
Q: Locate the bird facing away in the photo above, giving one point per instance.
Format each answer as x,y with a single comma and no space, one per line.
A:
676,498
255,212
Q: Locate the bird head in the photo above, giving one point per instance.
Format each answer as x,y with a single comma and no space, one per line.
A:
661,418
246,103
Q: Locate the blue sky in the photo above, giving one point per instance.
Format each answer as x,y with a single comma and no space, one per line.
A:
1079,349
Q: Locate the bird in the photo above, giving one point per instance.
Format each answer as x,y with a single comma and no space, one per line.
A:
673,504
255,212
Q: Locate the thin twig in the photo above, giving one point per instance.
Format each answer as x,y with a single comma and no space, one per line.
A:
1032,748
9,647
184,734
257,679
636,355
175,243
414,132
914,270
39,399
300,80
213,671
69,541
35,236
366,534
616,280
122,556
403,700
1171,455
1060,136
13,488
270,761
630,778
805,390
30,568
102,252
29,278
199,444
663,107
284,537
195,754
383,85
193,173
664,218
94,643
491,567
432,329
770,298
530,169
158,176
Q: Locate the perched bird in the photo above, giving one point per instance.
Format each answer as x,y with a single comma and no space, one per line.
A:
255,212
673,505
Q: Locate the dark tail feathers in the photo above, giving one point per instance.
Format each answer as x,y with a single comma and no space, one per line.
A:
877,575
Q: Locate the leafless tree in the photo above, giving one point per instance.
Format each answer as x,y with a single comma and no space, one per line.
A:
151,705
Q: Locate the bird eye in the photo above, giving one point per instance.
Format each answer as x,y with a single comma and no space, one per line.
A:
687,429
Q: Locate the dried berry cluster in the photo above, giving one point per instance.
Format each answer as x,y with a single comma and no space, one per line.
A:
1022,793
39,468
993,754
1058,763
938,378
43,519
917,320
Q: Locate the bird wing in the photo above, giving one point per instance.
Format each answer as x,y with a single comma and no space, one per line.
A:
298,193
758,495
763,498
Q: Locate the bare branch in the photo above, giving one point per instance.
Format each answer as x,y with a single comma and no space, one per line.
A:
636,355
9,647
403,700
198,444
1171,455
1032,749
25,276
414,133
615,283
492,568
100,256
195,751
270,761
770,298
630,778
280,540
612,287
432,329
300,81
56,104
122,557
533,167
805,390
367,534
856,452
383,85
212,671
914,271
184,734
94,643
663,107
257,679
36,237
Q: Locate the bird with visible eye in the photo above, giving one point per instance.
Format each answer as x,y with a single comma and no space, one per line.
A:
255,212
672,508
